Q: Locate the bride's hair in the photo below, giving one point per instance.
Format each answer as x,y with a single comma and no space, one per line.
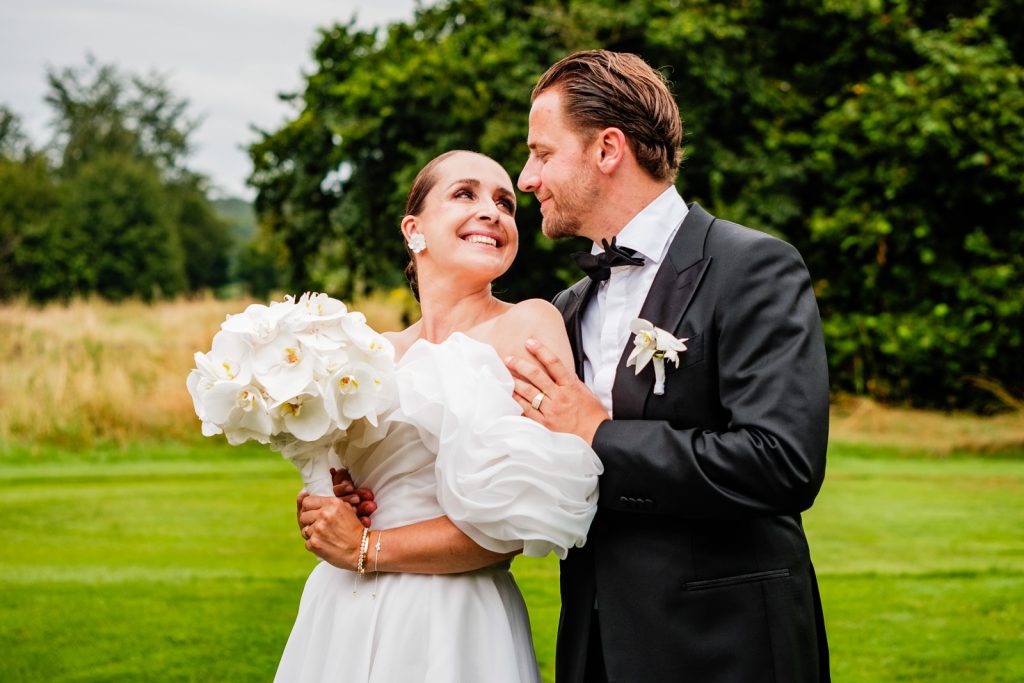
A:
421,187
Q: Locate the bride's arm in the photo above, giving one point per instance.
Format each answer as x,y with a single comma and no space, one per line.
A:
435,546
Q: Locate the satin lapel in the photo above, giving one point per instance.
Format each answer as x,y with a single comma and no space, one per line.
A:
582,291
670,295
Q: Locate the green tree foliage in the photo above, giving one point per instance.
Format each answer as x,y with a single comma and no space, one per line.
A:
204,235
27,197
921,176
116,213
112,236
882,138
101,111
332,182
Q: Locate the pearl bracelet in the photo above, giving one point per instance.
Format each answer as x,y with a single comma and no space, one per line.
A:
364,546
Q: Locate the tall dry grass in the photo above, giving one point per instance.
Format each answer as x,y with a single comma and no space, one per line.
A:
862,421
93,371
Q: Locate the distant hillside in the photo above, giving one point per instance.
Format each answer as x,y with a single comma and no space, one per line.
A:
239,213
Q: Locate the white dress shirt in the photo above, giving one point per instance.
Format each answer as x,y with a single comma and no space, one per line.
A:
618,300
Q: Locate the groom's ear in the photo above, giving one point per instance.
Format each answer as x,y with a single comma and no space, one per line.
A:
610,148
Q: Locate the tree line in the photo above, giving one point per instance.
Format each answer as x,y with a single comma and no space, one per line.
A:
884,139
109,206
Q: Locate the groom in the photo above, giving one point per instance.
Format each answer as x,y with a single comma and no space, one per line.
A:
696,567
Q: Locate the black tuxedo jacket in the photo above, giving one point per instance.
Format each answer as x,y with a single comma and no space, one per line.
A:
697,556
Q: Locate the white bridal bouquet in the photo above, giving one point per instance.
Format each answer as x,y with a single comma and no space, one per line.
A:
294,375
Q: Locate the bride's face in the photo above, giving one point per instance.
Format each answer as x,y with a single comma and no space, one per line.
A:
467,220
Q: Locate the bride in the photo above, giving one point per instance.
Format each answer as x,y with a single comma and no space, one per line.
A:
463,482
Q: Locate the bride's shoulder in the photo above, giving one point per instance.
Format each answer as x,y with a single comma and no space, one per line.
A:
532,316
536,319
538,310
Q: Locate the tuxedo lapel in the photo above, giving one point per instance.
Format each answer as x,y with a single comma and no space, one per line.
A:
581,293
670,295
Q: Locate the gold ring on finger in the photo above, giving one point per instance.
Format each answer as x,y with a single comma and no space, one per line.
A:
537,400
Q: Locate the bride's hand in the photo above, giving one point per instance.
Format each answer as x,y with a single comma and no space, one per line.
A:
331,529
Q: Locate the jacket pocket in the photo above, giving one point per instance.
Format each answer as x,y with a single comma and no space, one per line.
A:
738,579
693,354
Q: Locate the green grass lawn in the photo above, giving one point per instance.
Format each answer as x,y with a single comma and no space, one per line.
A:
183,563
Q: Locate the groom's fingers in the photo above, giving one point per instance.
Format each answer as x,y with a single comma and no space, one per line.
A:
524,389
555,367
531,373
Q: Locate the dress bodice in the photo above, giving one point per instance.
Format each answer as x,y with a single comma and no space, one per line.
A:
456,444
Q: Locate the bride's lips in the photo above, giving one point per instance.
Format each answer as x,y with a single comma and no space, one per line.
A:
483,237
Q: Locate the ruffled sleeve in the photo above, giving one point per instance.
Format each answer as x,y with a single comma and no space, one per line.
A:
504,480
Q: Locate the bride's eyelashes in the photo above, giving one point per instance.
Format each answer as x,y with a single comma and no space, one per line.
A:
503,201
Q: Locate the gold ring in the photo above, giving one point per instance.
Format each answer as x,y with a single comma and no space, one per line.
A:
305,532
537,400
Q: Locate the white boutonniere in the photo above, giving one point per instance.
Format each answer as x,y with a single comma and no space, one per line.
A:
654,344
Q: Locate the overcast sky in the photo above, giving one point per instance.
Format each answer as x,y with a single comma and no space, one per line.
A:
228,58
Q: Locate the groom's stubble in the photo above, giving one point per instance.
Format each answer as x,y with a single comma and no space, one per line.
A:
571,205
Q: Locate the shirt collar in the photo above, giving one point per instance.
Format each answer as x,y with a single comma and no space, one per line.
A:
650,231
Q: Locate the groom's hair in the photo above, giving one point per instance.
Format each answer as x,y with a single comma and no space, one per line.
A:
605,89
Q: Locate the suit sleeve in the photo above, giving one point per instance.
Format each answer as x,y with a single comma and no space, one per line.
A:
773,386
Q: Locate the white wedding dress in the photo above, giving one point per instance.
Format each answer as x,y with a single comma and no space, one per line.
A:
456,445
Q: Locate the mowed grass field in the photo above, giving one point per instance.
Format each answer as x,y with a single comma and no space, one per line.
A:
143,553
183,563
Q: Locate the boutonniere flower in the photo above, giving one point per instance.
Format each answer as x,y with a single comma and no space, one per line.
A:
652,343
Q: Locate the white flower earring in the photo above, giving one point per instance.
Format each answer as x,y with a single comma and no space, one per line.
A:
417,243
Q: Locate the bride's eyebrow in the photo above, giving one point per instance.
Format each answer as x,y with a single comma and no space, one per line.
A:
472,182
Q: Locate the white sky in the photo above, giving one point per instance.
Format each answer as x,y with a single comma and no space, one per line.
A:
228,58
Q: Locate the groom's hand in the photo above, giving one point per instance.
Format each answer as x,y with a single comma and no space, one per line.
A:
567,404
361,499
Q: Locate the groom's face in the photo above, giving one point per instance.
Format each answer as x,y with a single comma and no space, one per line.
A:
559,170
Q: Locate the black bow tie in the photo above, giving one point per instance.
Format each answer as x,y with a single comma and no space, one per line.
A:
599,266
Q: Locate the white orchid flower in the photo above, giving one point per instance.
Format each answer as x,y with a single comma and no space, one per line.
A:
284,367
198,383
240,410
323,335
305,416
228,359
316,321
318,306
259,324
352,394
327,363
373,347
652,343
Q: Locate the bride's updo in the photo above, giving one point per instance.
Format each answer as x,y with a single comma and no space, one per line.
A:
421,187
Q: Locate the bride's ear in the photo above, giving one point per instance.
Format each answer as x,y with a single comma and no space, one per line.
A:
408,226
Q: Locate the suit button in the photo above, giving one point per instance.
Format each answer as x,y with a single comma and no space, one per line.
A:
623,499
